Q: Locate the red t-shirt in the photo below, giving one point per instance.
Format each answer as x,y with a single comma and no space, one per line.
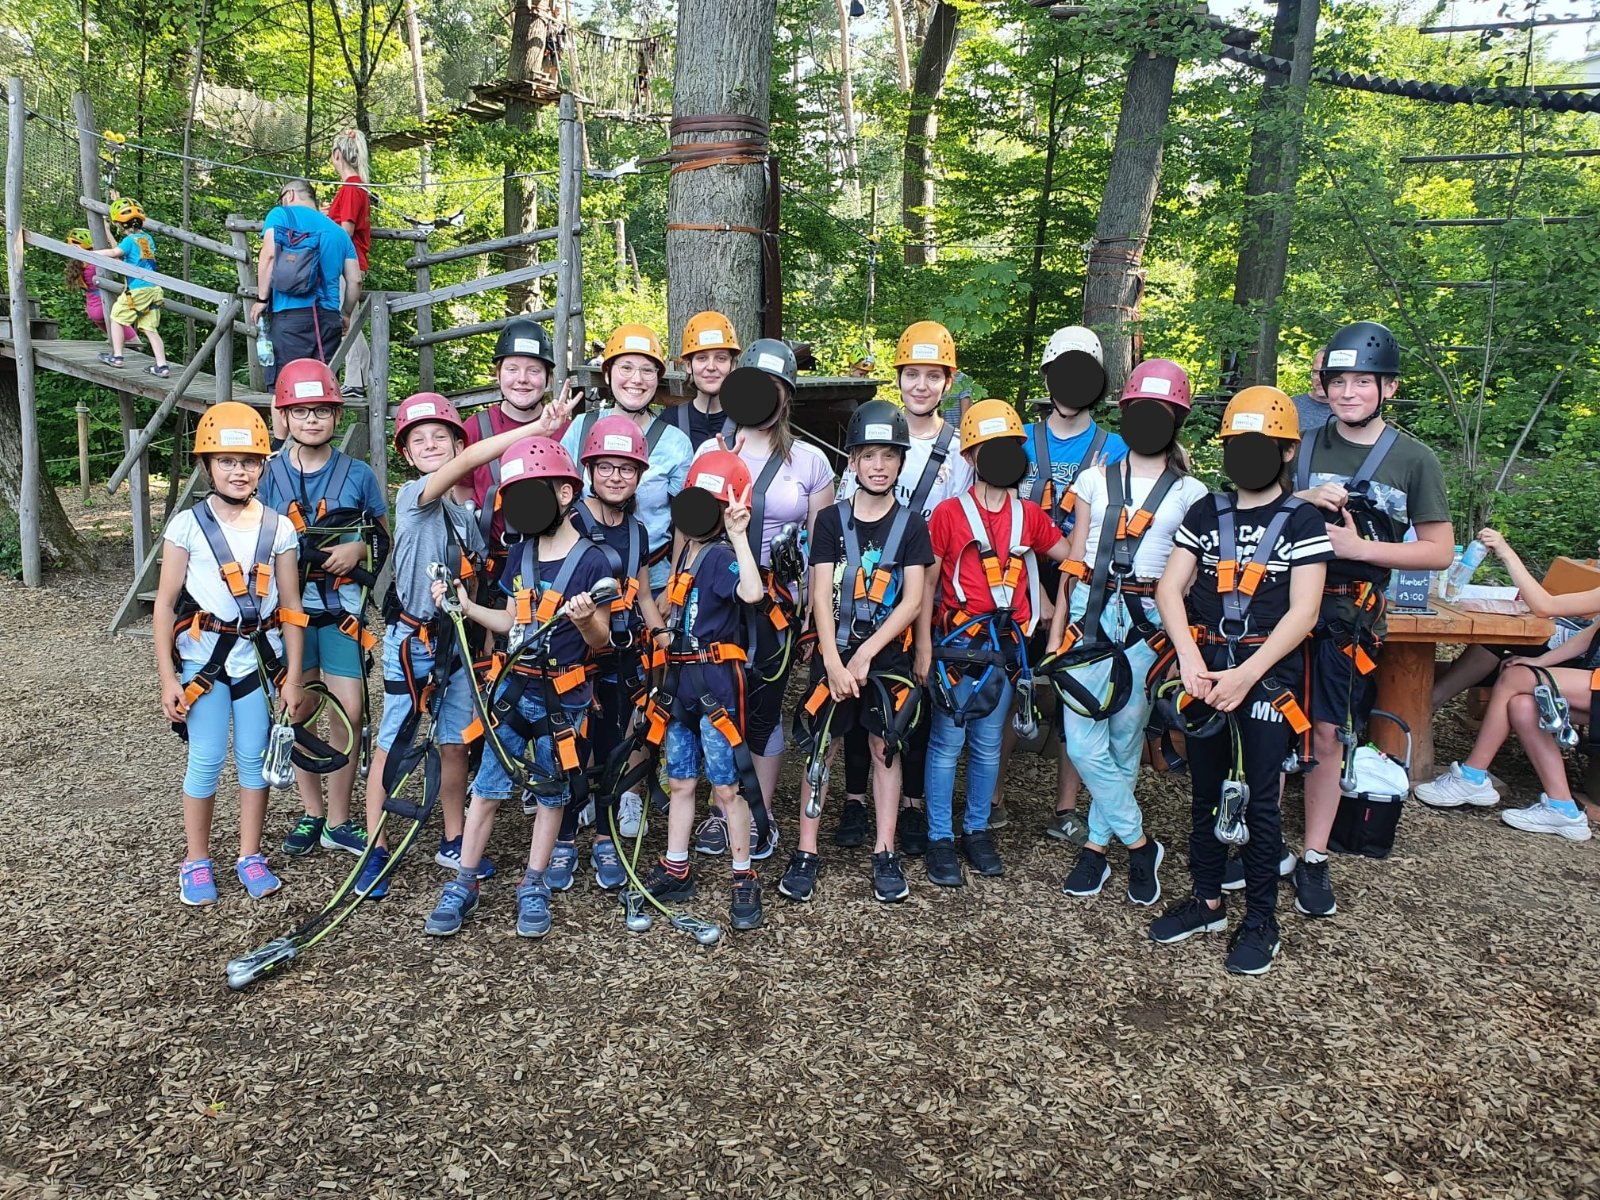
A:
952,542
351,203
483,478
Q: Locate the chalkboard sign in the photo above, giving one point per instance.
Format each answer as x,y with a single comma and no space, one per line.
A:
1411,589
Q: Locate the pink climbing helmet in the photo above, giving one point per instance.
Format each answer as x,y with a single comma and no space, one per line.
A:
1158,379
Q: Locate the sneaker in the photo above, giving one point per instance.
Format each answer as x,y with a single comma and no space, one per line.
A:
449,856
1186,918
609,873
630,814
978,849
998,817
712,836
1453,789
563,866
353,391
1068,827
197,885
456,903
1144,872
799,882
744,910
1544,817
888,878
1089,874
942,865
852,829
368,881
1233,877
912,830
352,839
1251,950
763,847
256,876
1313,889
668,888
533,906
304,837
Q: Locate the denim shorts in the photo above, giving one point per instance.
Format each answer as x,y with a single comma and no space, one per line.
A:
494,783
685,749
455,710
331,652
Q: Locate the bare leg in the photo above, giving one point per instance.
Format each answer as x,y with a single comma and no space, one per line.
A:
546,828
453,789
197,815
475,834
1513,682
351,695
885,796
680,815
737,810
252,816
1471,665
1322,786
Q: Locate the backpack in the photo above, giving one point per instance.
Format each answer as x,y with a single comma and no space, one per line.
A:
297,266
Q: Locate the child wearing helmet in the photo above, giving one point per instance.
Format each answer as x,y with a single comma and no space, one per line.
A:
80,277
1238,597
972,631
869,558
709,349
140,303
227,620
553,629
335,504
1370,481
1126,516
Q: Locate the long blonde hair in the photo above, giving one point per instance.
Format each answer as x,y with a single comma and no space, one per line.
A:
351,145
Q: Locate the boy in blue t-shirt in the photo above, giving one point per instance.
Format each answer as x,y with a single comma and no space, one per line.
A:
139,305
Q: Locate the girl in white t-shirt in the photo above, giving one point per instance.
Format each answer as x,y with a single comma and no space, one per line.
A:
1131,539
227,612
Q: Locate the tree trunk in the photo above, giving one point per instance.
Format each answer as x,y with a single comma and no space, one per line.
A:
1270,185
902,56
530,26
59,543
1041,227
847,105
311,81
419,82
723,68
1115,279
916,179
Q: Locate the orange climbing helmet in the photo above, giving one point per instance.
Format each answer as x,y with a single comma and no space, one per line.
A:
986,420
231,427
708,331
926,343
305,381
125,209
633,339
1261,409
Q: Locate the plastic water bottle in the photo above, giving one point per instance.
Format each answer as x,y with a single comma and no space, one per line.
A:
1466,566
1442,578
264,353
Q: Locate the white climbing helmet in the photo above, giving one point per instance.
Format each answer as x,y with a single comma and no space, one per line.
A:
1072,337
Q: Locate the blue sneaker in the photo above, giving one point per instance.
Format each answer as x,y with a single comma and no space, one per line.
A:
609,874
456,903
196,884
533,906
257,877
368,881
449,856
350,838
304,837
563,866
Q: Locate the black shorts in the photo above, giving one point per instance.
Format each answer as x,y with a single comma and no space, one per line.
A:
851,714
303,333
1339,692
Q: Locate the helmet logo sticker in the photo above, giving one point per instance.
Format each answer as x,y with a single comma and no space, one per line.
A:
426,408
616,441
1156,384
526,345
308,387
513,468
1338,358
750,395
925,352
235,437
1075,379
715,484
991,425
634,342
877,433
769,362
711,337
1247,422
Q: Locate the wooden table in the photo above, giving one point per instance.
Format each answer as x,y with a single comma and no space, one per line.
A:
1405,667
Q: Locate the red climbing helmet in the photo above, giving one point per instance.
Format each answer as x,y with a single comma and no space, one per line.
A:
720,472
537,458
615,437
1158,379
422,408
305,381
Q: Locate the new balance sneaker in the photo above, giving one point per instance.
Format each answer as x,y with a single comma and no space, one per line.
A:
1068,826
449,856
1233,877
533,906
368,882
1313,889
1185,918
1144,872
563,866
712,836
744,910
197,883
1088,875
667,887
609,873
304,837
630,813
911,829
799,882
352,839
456,903
998,817
888,878
942,865
1251,950
978,849
762,847
1453,789
1544,817
256,876
852,829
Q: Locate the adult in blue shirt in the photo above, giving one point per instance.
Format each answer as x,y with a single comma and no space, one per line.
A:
308,326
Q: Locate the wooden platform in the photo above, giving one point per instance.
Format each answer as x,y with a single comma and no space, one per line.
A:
81,360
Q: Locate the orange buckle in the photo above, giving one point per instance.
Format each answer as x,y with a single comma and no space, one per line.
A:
779,618
993,571
572,677
263,574
678,589
881,580
1077,568
818,697
1292,712
723,724
1227,574
724,652
1594,686
567,750
1363,661
194,689
549,603
1122,524
233,576
656,718
473,731
292,616
1070,637
350,625
525,607
295,517
1139,522
1251,580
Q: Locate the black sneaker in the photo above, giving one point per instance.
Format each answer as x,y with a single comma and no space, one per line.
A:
1187,918
1089,875
852,829
912,830
942,865
1251,950
800,880
1233,878
668,888
888,880
1144,872
762,847
978,849
744,911
712,836
1313,889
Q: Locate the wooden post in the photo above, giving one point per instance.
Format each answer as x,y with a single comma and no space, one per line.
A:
425,313
564,240
619,234
247,289
574,226
378,391
138,480
83,451
22,338
222,356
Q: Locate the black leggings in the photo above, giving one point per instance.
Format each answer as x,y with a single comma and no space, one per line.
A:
913,759
607,722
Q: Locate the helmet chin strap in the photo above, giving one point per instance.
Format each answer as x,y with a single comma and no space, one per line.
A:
231,500
871,491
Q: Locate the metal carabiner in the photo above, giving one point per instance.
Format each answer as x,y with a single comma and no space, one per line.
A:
1230,828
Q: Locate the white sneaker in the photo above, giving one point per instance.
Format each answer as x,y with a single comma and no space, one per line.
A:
1453,789
1543,817
630,811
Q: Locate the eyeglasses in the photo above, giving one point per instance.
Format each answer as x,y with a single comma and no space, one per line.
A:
313,412
644,370
228,465
622,470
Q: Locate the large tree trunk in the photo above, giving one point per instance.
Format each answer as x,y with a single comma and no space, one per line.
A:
59,544
1115,279
1270,186
530,26
1040,228
916,178
723,68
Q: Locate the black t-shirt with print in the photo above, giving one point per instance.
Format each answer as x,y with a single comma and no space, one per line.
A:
1303,540
827,546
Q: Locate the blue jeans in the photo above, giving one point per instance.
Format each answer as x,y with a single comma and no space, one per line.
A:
493,782
982,737
686,747
455,707
207,726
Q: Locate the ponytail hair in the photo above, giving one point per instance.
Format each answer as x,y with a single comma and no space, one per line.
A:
351,145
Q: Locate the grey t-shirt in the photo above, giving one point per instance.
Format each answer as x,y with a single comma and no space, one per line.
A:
420,538
1314,413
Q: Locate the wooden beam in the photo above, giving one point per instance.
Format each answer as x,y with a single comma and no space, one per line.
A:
464,331
471,287
565,215
101,262
491,247
116,287
138,482
378,391
1532,23
176,233
357,319
238,224
28,512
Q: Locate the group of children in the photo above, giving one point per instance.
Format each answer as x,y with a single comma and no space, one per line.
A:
651,578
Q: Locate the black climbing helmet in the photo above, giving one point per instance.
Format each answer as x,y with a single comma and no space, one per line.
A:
1364,346
773,357
524,338
877,423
